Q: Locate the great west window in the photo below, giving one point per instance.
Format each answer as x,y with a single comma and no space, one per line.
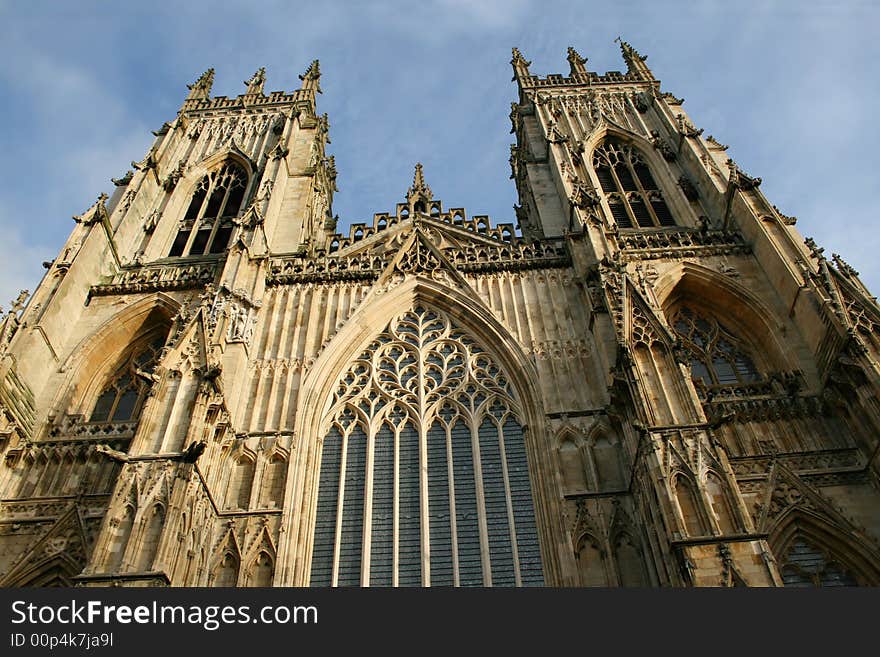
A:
424,478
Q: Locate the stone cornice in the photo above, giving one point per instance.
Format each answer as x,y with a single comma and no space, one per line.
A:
158,278
473,258
650,245
275,99
849,458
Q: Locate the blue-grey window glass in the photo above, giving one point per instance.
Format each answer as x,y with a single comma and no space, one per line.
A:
437,416
805,565
325,522
467,521
633,197
216,201
409,514
495,495
382,542
123,397
439,518
352,534
716,359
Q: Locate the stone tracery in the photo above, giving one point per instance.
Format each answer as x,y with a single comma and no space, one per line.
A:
425,396
633,196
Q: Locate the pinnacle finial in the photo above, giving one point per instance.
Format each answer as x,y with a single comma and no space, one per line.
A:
95,211
311,78
255,84
419,189
843,266
635,61
18,303
518,58
576,62
201,88
419,177
519,63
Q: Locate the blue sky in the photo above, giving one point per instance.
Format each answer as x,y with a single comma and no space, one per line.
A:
790,86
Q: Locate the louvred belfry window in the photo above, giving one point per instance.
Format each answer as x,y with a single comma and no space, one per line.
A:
716,356
216,201
123,397
633,197
805,565
424,478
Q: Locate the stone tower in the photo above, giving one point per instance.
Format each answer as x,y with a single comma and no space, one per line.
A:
650,379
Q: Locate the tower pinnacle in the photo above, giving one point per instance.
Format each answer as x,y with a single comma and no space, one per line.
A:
576,62
635,61
520,65
201,88
255,84
419,190
312,77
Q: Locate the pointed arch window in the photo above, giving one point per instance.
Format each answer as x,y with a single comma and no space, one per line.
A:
717,357
805,565
123,397
633,197
424,478
216,201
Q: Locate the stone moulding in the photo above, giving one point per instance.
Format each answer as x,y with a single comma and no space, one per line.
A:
157,279
298,269
579,79
50,508
456,218
765,408
225,103
289,270
78,430
645,245
846,459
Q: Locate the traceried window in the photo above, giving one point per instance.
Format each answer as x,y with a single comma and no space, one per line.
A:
633,196
123,398
805,565
216,201
717,358
424,478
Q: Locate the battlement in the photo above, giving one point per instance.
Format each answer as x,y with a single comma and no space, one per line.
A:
636,71
589,78
273,99
420,203
200,99
479,224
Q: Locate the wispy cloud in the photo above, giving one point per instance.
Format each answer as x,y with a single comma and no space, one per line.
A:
20,258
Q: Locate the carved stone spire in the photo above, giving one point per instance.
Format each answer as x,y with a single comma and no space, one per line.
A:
255,84
201,88
312,77
520,65
576,62
635,61
419,190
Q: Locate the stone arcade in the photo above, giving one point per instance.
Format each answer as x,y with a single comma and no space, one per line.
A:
650,380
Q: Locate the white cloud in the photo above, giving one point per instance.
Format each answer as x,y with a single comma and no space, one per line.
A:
20,260
485,14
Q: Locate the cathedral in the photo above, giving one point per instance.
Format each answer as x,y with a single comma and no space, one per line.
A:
648,379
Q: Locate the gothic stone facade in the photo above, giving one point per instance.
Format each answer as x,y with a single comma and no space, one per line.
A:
651,380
